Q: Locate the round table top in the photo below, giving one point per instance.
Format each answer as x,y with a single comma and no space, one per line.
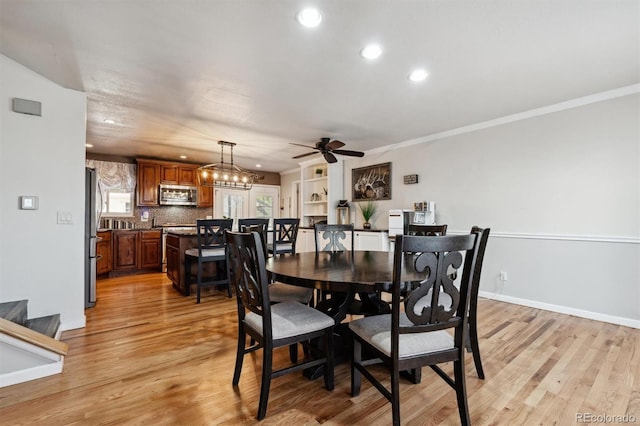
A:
357,271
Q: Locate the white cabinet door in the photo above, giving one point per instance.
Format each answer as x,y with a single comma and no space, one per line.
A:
305,241
374,241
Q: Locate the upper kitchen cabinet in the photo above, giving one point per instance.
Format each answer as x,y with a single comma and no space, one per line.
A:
177,174
321,190
205,196
148,181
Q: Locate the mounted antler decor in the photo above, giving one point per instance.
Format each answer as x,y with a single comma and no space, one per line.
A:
372,182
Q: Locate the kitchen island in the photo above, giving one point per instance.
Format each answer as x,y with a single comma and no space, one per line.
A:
177,243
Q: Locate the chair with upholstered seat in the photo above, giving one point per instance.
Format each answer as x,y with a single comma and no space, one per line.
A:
408,340
472,343
284,233
243,223
271,326
279,292
333,238
210,249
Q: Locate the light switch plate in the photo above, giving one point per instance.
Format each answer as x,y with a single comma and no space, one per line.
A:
28,202
65,218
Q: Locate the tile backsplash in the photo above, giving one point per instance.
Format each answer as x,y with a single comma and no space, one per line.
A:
166,214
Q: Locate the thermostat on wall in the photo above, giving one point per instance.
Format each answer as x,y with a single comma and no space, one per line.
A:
28,202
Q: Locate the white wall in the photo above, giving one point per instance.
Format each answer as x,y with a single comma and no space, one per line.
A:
561,193
42,156
287,197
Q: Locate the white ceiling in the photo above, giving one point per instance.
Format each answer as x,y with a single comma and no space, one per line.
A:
179,75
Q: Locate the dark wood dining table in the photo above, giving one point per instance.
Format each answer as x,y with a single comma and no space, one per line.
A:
344,274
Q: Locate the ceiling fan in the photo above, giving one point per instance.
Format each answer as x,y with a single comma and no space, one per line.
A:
327,148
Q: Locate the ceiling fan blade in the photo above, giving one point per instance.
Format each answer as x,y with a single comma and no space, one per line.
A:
304,155
306,146
334,145
347,152
330,157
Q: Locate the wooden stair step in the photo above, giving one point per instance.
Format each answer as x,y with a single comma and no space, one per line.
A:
14,311
47,325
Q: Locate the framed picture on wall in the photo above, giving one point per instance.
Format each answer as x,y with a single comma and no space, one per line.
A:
372,182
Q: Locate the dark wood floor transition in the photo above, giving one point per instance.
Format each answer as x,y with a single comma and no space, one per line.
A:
151,356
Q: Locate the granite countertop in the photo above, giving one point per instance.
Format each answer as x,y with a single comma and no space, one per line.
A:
185,233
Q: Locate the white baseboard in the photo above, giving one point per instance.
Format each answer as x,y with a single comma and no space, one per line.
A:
73,324
627,322
32,373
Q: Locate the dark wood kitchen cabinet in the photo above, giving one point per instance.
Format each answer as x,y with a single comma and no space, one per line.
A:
205,196
177,174
125,250
150,249
177,243
147,184
136,251
104,260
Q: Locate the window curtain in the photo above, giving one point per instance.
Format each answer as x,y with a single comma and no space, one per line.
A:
113,175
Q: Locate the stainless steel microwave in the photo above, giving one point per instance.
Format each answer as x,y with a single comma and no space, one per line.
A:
177,195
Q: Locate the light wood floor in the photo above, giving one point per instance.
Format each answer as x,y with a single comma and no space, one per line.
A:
151,356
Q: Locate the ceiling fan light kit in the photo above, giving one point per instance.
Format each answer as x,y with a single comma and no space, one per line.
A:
328,148
225,175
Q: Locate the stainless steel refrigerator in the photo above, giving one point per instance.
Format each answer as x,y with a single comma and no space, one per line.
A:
90,230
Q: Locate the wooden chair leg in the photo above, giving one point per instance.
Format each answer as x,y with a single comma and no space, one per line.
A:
395,395
293,352
267,359
356,376
461,391
475,348
242,340
199,283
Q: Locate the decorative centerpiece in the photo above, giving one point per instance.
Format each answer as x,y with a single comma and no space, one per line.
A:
368,209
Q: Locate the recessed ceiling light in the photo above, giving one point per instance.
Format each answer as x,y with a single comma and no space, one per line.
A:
372,51
183,157
109,121
309,17
258,165
418,75
88,145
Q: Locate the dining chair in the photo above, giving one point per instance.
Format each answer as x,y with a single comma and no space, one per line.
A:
472,342
427,230
471,339
285,232
210,249
333,237
242,223
271,326
404,341
279,292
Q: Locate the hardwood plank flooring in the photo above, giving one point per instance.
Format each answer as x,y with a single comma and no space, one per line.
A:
151,356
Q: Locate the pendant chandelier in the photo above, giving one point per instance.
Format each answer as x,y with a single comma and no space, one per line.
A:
226,175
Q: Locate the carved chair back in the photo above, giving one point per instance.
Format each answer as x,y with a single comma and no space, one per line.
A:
333,237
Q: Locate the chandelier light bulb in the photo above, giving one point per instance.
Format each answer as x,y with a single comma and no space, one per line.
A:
216,175
225,176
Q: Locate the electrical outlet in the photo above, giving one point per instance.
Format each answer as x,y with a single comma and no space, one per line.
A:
503,276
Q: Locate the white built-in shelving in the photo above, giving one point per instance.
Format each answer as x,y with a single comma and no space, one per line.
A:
320,191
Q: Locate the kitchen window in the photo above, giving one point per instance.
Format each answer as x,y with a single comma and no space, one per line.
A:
117,202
